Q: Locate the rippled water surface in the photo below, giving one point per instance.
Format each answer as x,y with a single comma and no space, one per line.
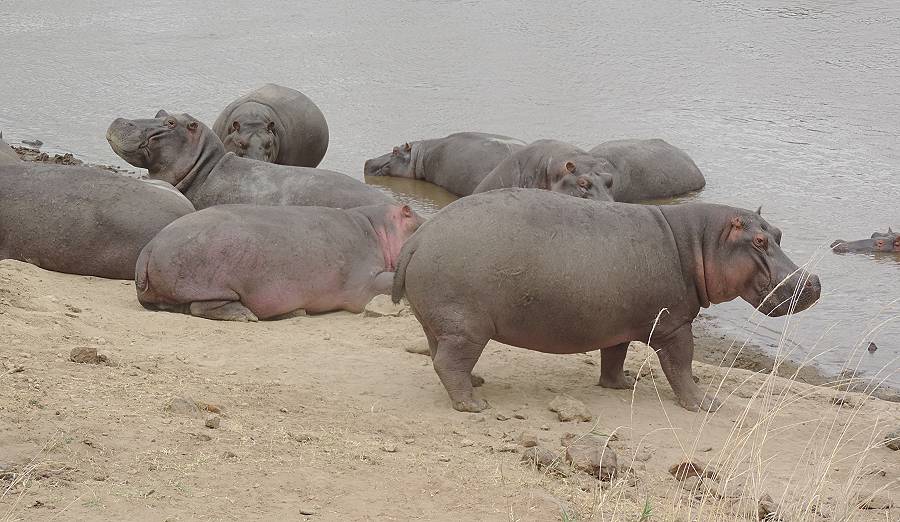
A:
793,108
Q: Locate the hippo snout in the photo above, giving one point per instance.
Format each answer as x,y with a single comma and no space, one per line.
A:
375,166
120,136
793,295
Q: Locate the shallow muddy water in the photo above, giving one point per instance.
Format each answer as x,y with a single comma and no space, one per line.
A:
793,108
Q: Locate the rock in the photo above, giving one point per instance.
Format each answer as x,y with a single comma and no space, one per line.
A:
84,355
691,483
528,439
381,306
506,447
544,427
301,437
307,511
409,441
767,509
420,349
573,438
501,417
540,457
872,348
467,443
229,455
585,482
213,421
182,406
694,468
203,437
519,416
876,500
389,448
598,461
570,409
443,458
892,440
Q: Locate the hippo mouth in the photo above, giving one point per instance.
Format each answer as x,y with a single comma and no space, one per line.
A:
376,166
839,246
786,298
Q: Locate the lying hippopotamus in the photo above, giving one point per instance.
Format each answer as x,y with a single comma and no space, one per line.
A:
82,220
879,242
248,262
7,154
274,124
457,163
182,151
649,169
563,275
556,166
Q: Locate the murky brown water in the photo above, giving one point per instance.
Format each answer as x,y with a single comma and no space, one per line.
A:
795,107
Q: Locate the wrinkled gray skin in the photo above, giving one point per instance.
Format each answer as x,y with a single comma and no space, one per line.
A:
556,166
561,275
7,154
457,163
879,242
182,151
274,124
649,169
81,220
248,262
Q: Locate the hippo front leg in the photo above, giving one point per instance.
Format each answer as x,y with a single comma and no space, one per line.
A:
676,354
453,361
612,368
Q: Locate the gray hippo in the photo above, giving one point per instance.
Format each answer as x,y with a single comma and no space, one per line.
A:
563,275
249,262
182,151
879,242
274,124
649,169
7,154
81,220
457,163
556,166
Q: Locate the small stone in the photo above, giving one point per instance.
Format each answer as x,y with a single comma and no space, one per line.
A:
229,455
307,511
389,448
204,437
466,443
877,500
213,421
570,409
528,439
212,408
443,458
418,349
409,441
539,456
84,355
599,461
691,483
544,427
519,416
767,509
501,417
872,347
381,306
507,447
695,468
892,440
182,406
300,437
283,410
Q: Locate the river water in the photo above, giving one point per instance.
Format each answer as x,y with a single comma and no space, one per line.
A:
794,106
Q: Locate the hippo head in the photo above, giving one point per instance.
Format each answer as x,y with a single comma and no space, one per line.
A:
254,139
393,225
583,176
879,242
750,264
170,146
397,163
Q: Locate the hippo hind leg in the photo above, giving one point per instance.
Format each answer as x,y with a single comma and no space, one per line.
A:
223,311
612,368
454,358
432,347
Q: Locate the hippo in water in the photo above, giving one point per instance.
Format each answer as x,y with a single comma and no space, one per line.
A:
649,169
553,165
7,154
81,220
249,262
182,151
274,124
879,242
457,163
562,275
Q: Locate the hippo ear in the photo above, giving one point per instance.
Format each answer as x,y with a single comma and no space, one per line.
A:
570,167
271,127
759,210
406,211
162,114
235,126
407,147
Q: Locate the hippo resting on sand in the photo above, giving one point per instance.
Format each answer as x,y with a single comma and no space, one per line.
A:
7,154
274,124
248,262
182,151
649,169
81,220
457,163
879,242
553,165
562,275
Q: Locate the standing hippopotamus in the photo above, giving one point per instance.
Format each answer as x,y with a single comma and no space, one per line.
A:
81,220
248,262
879,242
7,154
274,124
563,275
649,169
182,151
553,165
457,162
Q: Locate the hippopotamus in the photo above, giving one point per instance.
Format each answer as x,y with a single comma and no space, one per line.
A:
182,151
556,166
249,262
879,242
82,220
7,154
564,275
457,163
274,124
649,169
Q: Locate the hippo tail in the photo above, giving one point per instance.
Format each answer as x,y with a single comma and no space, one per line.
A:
406,253
141,277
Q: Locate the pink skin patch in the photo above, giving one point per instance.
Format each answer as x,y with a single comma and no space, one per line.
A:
400,225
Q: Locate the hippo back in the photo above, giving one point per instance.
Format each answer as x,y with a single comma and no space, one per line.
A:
649,169
460,161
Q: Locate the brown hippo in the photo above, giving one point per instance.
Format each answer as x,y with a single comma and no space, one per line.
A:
553,165
457,162
274,124
81,220
182,151
562,275
249,262
649,169
7,154
879,242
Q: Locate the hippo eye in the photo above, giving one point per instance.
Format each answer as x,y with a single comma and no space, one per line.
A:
760,241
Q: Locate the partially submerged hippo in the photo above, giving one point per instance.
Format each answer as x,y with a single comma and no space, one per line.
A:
649,169
182,151
561,275
879,242
553,165
81,220
457,163
7,154
274,124
248,262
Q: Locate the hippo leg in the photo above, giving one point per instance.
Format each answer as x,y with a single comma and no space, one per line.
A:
676,353
454,359
612,368
223,311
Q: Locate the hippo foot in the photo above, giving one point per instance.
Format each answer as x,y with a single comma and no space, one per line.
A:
619,382
471,405
477,381
707,403
223,311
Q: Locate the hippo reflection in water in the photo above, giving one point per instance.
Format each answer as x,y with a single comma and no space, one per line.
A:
879,242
